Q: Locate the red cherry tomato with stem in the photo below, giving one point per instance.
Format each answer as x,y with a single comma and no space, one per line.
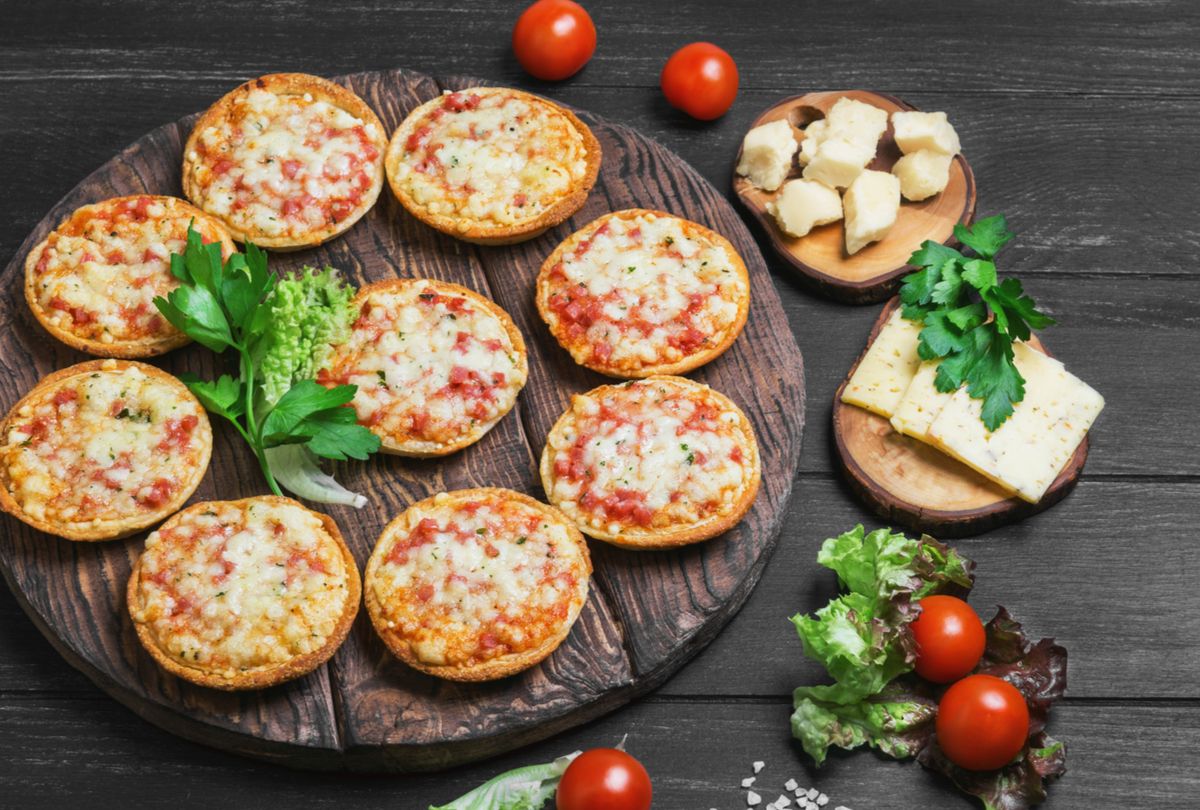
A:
950,638
700,79
982,723
554,39
604,779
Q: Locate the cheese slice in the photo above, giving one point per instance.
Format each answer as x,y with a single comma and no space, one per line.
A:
1027,452
921,403
887,369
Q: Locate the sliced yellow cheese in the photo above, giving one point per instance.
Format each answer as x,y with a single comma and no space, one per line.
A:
887,369
921,403
1027,452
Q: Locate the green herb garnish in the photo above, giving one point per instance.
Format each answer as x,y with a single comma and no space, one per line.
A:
971,318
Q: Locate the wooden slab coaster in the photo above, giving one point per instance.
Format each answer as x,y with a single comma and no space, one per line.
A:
912,484
874,272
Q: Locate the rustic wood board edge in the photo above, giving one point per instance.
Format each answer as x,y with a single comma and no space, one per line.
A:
867,291
334,751
940,523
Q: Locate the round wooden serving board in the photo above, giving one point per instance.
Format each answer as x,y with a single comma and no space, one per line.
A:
910,483
873,273
648,612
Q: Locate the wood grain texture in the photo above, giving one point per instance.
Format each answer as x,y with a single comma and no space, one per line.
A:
820,259
909,483
365,710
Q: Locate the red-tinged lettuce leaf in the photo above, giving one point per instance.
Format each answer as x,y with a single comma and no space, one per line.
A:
1039,672
898,721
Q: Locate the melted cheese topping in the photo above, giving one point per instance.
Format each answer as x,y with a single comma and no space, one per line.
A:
638,292
285,165
103,446
466,580
430,363
100,271
648,456
490,155
233,586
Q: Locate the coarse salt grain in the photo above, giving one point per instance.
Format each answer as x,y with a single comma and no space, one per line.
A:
748,782
759,765
753,798
790,784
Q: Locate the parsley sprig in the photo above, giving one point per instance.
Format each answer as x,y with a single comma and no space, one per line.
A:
971,317
229,306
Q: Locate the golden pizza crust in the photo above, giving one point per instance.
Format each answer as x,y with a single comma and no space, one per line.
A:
580,351
494,668
285,84
148,346
469,230
261,677
638,537
113,529
402,445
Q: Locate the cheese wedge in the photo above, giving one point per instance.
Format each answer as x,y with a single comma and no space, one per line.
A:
767,154
921,130
922,174
887,369
870,207
857,122
1026,453
803,205
813,134
921,403
838,162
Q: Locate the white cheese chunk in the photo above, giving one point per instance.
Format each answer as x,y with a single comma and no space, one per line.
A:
921,403
813,134
804,204
767,154
857,122
870,207
922,174
887,369
915,131
838,162
1027,452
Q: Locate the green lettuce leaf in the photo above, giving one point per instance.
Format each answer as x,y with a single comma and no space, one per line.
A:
525,788
898,721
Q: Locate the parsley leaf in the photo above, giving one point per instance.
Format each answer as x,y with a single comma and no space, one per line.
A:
971,317
281,331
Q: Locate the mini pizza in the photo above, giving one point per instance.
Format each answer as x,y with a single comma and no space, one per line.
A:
638,293
476,584
102,449
244,594
491,164
286,161
93,280
654,463
436,365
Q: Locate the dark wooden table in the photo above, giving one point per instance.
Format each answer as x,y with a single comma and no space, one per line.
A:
1081,123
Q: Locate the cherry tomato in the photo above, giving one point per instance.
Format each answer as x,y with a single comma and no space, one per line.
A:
950,639
604,779
700,79
982,723
554,39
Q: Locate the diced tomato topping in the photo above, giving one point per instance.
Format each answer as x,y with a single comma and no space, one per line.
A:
520,199
416,139
78,315
418,422
625,504
462,342
307,558
115,257
488,641
150,256
179,433
491,551
457,102
602,352
340,209
64,395
493,345
735,455
222,166
688,340
158,494
295,205
118,405
290,168
425,592
141,208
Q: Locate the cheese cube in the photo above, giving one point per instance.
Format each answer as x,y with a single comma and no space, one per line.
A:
767,154
887,368
813,134
921,403
838,162
804,204
870,207
922,174
856,122
915,131
1027,452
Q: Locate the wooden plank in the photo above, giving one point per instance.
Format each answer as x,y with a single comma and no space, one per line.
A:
1110,572
1135,754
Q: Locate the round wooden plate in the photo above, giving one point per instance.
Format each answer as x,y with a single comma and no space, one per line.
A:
648,612
873,273
910,483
